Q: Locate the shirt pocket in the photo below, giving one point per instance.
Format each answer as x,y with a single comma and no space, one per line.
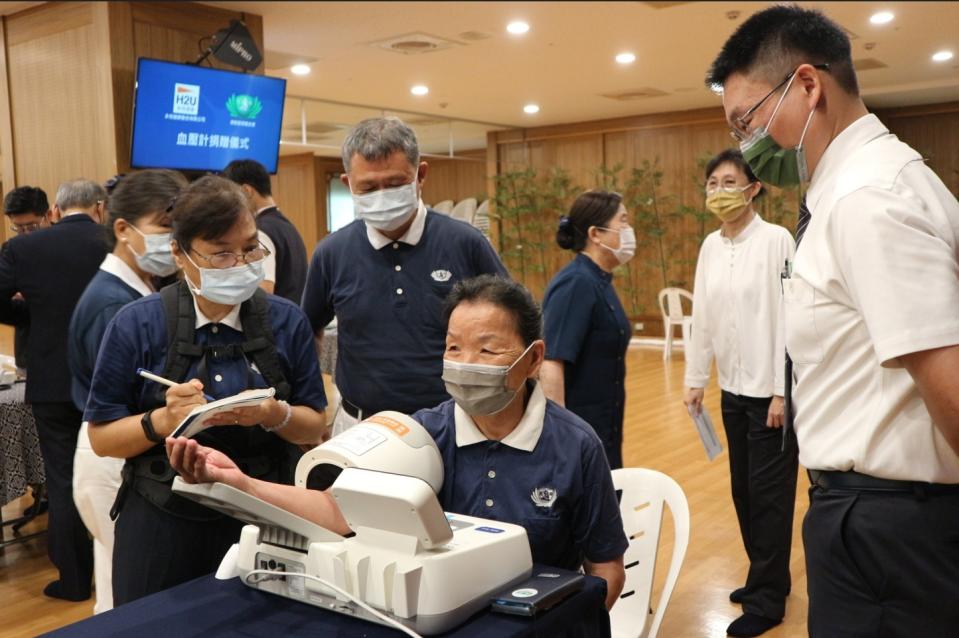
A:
803,342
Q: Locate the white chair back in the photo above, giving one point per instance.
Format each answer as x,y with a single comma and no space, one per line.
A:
481,217
644,494
671,308
444,206
464,210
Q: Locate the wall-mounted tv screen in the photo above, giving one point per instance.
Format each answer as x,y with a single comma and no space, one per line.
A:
198,118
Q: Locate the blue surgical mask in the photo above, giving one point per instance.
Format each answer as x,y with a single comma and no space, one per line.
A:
157,258
228,286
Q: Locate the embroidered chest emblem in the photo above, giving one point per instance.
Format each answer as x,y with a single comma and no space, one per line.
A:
543,496
441,275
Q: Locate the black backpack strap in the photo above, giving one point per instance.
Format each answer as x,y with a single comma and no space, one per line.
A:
180,328
260,343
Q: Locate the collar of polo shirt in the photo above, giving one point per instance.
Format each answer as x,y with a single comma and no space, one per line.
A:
524,437
119,269
232,318
412,235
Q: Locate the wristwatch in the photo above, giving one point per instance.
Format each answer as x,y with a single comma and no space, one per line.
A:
147,422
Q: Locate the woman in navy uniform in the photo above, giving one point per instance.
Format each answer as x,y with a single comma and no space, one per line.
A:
140,233
587,330
509,454
214,332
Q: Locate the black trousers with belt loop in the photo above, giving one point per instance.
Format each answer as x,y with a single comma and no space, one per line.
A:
881,562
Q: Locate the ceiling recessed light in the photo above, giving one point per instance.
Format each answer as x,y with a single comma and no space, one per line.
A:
941,56
517,27
626,57
420,89
300,69
883,17
531,108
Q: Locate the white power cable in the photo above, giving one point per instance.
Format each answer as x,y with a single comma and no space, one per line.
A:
386,619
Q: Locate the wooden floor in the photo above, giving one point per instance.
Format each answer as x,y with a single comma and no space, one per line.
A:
659,435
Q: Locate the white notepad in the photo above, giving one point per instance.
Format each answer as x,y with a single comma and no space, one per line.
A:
707,433
199,419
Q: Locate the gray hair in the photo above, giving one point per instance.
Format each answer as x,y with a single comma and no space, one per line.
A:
79,193
379,137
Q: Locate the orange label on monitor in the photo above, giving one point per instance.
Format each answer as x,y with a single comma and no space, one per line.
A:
397,427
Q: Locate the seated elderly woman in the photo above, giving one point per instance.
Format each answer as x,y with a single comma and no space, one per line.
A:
509,454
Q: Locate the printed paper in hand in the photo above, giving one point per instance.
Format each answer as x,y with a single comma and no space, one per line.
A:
198,420
707,433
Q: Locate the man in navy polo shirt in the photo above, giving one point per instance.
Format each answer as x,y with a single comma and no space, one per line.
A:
385,276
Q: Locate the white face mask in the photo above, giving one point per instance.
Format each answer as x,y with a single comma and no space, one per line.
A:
478,388
627,244
157,258
228,286
387,209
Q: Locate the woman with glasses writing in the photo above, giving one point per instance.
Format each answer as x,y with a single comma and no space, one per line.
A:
215,334
737,319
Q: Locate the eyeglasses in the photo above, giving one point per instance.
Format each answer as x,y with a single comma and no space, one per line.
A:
25,228
227,259
740,134
727,188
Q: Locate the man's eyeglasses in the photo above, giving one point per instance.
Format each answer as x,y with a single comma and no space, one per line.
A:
23,229
739,134
227,259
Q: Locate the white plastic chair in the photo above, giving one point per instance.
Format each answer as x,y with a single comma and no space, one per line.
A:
644,493
464,210
481,217
444,206
671,307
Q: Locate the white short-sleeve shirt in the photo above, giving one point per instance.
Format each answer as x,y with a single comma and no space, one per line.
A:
737,310
875,277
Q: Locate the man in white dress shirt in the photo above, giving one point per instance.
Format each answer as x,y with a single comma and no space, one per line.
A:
872,327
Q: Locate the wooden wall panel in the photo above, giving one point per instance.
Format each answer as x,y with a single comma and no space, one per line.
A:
295,193
454,179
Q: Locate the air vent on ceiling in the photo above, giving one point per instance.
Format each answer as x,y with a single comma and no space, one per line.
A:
414,43
317,128
281,60
635,94
868,64
662,5
474,36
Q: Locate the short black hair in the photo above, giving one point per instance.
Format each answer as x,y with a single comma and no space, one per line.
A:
735,157
206,209
26,199
776,40
505,293
251,173
140,194
592,208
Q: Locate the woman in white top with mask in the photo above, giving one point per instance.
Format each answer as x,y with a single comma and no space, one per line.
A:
738,321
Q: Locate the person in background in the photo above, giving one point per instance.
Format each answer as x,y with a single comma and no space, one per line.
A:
140,233
385,275
551,475
282,239
737,319
51,267
28,210
587,330
214,332
872,328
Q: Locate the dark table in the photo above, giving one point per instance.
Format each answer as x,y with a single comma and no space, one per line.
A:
210,607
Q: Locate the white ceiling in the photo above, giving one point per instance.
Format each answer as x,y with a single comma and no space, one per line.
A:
565,62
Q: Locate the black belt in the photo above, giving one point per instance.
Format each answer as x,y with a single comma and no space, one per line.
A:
352,409
831,480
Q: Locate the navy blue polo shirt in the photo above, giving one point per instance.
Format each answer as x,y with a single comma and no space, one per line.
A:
137,338
586,327
561,491
101,300
390,332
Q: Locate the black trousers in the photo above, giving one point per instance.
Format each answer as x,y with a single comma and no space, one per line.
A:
763,477
153,550
882,564
68,543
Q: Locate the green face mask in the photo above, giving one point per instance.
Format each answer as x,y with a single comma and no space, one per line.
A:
770,162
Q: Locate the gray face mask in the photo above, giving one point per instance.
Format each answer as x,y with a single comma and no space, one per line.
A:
480,389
